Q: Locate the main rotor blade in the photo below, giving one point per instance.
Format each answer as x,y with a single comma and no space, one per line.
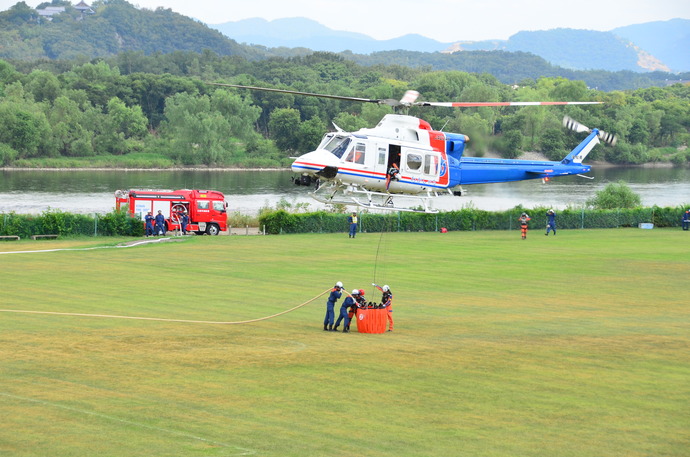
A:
310,94
477,104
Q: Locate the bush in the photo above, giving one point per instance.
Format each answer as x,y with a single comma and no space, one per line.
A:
615,195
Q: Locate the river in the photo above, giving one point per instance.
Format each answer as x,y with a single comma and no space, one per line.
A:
92,191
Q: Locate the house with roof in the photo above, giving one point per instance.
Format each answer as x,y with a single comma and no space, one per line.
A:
49,11
83,8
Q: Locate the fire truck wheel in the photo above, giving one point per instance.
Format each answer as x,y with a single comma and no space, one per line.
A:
212,229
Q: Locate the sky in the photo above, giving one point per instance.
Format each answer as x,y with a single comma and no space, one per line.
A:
443,20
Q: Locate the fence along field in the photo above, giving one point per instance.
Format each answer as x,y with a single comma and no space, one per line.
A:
568,345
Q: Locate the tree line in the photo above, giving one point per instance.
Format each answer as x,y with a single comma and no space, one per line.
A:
161,110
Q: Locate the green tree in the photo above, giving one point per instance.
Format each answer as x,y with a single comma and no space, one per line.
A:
310,133
23,130
197,134
284,126
511,144
615,195
553,144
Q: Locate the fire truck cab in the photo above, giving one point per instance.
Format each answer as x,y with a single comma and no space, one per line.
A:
206,209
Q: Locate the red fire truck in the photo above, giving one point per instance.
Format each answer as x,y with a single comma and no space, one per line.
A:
207,209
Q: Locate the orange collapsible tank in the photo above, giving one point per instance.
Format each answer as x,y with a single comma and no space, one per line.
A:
371,320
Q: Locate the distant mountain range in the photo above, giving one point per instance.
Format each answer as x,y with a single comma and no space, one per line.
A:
651,46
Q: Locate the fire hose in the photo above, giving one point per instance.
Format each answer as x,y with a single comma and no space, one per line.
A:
187,321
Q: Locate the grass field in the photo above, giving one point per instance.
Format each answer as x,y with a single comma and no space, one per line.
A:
574,345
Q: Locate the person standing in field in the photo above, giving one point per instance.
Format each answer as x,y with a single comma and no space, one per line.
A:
551,223
160,223
686,220
352,220
387,302
330,306
149,224
523,220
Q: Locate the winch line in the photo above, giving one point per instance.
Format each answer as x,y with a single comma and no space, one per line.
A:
158,319
378,248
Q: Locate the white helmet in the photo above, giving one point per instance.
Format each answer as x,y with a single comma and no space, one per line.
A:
386,288
339,284
355,292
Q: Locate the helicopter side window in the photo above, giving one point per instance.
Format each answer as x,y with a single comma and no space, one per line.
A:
431,165
357,153
414,162
338,145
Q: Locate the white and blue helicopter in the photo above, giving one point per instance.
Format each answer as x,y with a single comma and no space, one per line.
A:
404,157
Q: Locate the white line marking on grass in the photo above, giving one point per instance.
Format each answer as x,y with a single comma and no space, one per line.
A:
242,451
136,243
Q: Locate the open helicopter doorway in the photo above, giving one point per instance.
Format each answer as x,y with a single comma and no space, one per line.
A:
393,167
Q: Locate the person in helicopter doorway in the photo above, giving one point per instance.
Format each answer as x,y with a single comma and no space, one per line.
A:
352,220
160,223
686,220
149,224
523,220
551,223
348,304
330,306
387,302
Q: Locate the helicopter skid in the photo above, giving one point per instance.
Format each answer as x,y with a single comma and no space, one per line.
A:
351,195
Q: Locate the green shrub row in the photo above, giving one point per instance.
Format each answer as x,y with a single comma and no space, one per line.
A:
280,221
54,222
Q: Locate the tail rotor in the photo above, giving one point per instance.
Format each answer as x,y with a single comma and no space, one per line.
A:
572,124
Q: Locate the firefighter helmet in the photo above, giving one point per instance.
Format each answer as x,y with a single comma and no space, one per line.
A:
361,291
355,292
339,284
386,288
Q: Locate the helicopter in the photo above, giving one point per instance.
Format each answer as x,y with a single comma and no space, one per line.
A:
403,156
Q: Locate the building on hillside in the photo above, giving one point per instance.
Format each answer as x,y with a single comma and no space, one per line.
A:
48,12
83,8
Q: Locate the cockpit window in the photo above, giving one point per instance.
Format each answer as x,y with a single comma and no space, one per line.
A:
337,145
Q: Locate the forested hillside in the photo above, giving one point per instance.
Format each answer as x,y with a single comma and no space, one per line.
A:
135,110
118,26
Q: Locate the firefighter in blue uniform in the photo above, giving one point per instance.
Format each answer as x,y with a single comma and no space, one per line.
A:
184,220
149,224
160,223
686,220
551,224
344,311
330,306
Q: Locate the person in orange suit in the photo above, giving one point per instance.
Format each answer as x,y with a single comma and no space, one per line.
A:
523,220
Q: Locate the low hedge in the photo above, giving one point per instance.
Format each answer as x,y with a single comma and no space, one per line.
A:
280,221
54,222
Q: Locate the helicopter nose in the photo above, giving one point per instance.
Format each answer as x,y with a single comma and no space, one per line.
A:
307,163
